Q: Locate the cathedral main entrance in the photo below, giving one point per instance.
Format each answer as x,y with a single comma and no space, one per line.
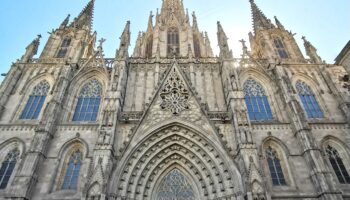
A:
176,161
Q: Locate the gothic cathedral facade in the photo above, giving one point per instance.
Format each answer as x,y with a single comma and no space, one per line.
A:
172,121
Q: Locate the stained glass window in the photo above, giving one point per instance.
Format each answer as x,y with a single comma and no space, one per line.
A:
256,100
197,48
280,48
309,101
338,165
64,48
175,186
7,167
36,101
173,42
72,172
88,102
275,167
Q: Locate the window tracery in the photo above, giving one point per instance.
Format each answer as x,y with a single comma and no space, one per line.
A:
7,167
35,101
175,186
64,47
280,48
308,100
275,167
72,171
173,42
338,165
174,94
88,102
256,100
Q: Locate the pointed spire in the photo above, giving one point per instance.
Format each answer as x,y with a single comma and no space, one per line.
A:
223,44
279,24
190,53
173,8
84,20
150,22
65,22
260,21
209,50
137,49
194,23
124,42
311,51
31,50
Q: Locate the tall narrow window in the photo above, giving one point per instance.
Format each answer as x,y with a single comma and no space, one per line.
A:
36,101
7,167
275,167
72,172
338,165
197,47
280,49
88,102
64,48
149,47
173,42
256,100
309,101
175,186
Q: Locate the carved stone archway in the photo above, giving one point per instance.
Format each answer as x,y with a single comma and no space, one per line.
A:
213,175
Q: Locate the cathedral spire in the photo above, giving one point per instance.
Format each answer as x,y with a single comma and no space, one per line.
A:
122,53
150,22
65,22
225,51
279,24
311,51
84,20
173,8
260,21
194,23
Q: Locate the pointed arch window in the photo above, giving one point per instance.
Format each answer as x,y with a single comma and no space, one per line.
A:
35,101
309,101
64,47
149,47
196,46
256,100
88,102
275,167
73,166
338,165
7,167
175,186
280,48
173,42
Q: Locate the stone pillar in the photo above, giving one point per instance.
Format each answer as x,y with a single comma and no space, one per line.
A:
320,176
27,174
9,84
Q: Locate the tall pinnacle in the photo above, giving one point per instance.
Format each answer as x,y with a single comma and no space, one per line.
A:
260,21
122,53
173,8
223,45
84,20
311,51
150,22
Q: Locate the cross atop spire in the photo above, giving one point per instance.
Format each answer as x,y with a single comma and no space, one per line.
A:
84,20
260,21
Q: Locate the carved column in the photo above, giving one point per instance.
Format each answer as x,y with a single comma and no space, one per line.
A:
320,176
247,156
27,174
105,147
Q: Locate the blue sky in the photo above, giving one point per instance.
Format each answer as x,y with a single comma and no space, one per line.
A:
324,22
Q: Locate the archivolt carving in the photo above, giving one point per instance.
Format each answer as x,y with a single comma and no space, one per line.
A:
212,172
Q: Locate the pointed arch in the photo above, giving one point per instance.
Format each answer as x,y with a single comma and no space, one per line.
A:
280,47
35,101
276,162
63,49
71,157
308,100
337,157
143,163
257,101
89,100
173,41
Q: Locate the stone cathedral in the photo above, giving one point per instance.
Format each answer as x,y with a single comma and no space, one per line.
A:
172,121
